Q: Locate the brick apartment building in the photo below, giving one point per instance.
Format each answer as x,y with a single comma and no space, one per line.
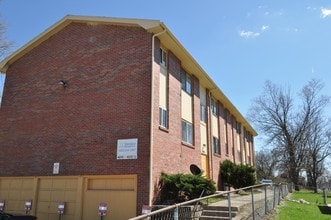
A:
95,108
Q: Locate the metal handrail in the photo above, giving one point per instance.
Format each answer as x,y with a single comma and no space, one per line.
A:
217,194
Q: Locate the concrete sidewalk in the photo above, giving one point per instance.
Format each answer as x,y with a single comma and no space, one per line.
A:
244,202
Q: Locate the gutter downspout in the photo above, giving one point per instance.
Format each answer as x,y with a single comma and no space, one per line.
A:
210,136
151,189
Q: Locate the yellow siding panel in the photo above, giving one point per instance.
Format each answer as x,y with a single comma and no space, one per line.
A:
59,184
214,123
15,191
27,184
163,88
70,196
120,192
113,184
5,184
94,184
203,133
45,183
44,195
121,201
203,95
58,195
71,184
128,184
16,184
186,107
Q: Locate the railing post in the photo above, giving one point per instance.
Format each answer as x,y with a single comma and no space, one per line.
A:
324,196
265,200
253,211
229,206
280,188
274,204
176,213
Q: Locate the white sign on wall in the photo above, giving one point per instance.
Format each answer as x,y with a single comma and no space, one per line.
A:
56,168
127,149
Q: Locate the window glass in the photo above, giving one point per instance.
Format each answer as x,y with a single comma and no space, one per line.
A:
188,84
187,132
183,80
163,56
216,145
203,116
184,131
214,107
163,117
186,81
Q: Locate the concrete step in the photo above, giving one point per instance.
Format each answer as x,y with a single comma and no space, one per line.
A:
218,212
213,218
221,208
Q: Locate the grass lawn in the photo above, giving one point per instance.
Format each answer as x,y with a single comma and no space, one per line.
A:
299,211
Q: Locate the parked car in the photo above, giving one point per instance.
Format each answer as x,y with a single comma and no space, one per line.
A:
9,216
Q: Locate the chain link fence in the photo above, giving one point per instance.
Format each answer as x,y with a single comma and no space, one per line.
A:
249,203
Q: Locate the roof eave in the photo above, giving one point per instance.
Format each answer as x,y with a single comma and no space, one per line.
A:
153,26
144,23
192,66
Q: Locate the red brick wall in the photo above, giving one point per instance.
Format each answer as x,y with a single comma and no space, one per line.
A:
107,98
169,154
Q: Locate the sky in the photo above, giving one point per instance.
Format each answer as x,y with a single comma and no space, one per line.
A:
239,43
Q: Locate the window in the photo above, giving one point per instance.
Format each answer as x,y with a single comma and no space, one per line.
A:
163,56
187,132
239,156
216,145
226,132
214,107
163,117
203,116
186,82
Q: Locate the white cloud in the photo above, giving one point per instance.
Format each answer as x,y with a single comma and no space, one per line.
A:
249,34
311,8
264,28
292,29
252,34
325,12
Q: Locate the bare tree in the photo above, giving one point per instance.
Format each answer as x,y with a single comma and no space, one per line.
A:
4,47
319,148
4,43
265,164
285,126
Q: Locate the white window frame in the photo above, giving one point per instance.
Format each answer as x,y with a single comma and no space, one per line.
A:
203,113
216,146
163,117
163,57
186,82
187,132
214,108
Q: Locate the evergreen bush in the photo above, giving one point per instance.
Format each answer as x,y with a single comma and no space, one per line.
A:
237,176
176,188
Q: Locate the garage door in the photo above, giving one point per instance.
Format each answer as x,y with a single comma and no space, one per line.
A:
15,191
119,192
55,190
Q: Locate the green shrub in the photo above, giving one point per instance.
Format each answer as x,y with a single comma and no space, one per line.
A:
242,176
237,176
226,169
176,188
